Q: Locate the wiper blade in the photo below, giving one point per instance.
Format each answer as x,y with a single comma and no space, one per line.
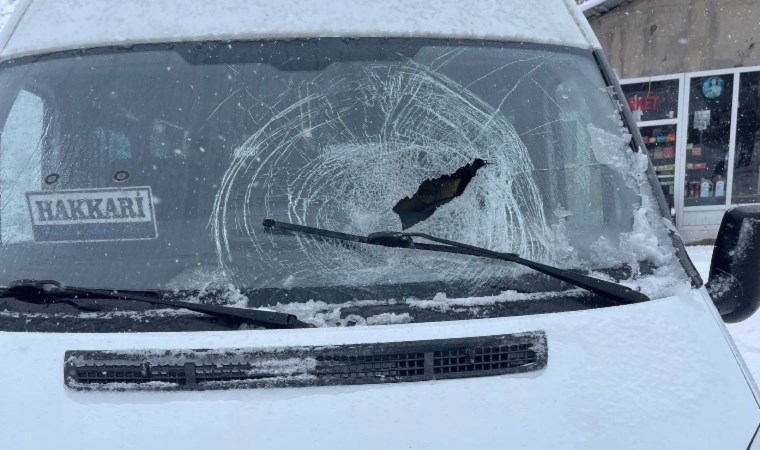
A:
51,291
611,291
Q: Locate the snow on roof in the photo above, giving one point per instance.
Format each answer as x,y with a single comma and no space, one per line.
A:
43,26
592,8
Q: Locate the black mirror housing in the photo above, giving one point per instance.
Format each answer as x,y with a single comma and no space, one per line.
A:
734,282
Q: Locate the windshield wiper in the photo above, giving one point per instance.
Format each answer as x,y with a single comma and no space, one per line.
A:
51,291
611,291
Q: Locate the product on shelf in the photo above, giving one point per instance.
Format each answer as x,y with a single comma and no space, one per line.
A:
720,187
706,189
694,189
660,143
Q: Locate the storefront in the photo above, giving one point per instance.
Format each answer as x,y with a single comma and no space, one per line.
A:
690,70
702,130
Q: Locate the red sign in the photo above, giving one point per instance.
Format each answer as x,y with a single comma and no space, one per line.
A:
647,103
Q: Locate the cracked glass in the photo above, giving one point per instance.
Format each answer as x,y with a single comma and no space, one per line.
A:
153,167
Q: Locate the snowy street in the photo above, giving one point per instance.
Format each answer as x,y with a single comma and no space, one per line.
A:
745,334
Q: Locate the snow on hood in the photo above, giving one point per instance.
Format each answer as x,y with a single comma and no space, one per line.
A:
661,368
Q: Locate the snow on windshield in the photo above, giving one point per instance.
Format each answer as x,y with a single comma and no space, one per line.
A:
649,238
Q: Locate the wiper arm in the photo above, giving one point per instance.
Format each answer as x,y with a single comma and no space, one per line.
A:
611,291
51,291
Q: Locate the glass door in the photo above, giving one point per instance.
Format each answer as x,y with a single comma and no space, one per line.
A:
708,140
746,187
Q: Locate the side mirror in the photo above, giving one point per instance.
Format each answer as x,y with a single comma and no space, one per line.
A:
734,283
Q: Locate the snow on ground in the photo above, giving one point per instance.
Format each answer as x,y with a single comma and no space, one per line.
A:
746,334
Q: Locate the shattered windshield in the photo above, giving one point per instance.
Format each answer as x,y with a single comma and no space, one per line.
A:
153,167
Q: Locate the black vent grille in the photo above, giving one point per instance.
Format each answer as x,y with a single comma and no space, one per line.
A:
371,366
131,374
306,366
483,358
229,372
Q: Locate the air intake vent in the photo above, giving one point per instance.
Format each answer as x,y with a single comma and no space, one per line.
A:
305,366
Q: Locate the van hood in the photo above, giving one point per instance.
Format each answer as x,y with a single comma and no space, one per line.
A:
661,374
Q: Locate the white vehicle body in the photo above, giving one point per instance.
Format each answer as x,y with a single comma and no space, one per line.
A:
658,374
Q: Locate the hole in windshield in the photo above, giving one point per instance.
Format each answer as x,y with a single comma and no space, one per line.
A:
435,192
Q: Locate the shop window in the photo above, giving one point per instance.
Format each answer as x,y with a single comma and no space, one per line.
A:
658,100
708,140
746,187
661,146
655,100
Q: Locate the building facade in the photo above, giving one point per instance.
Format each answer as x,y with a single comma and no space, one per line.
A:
690,70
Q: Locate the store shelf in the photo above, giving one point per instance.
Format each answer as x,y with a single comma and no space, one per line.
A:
656,123
705,201
660,139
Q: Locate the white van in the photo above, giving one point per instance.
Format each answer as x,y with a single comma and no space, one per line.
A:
347,224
